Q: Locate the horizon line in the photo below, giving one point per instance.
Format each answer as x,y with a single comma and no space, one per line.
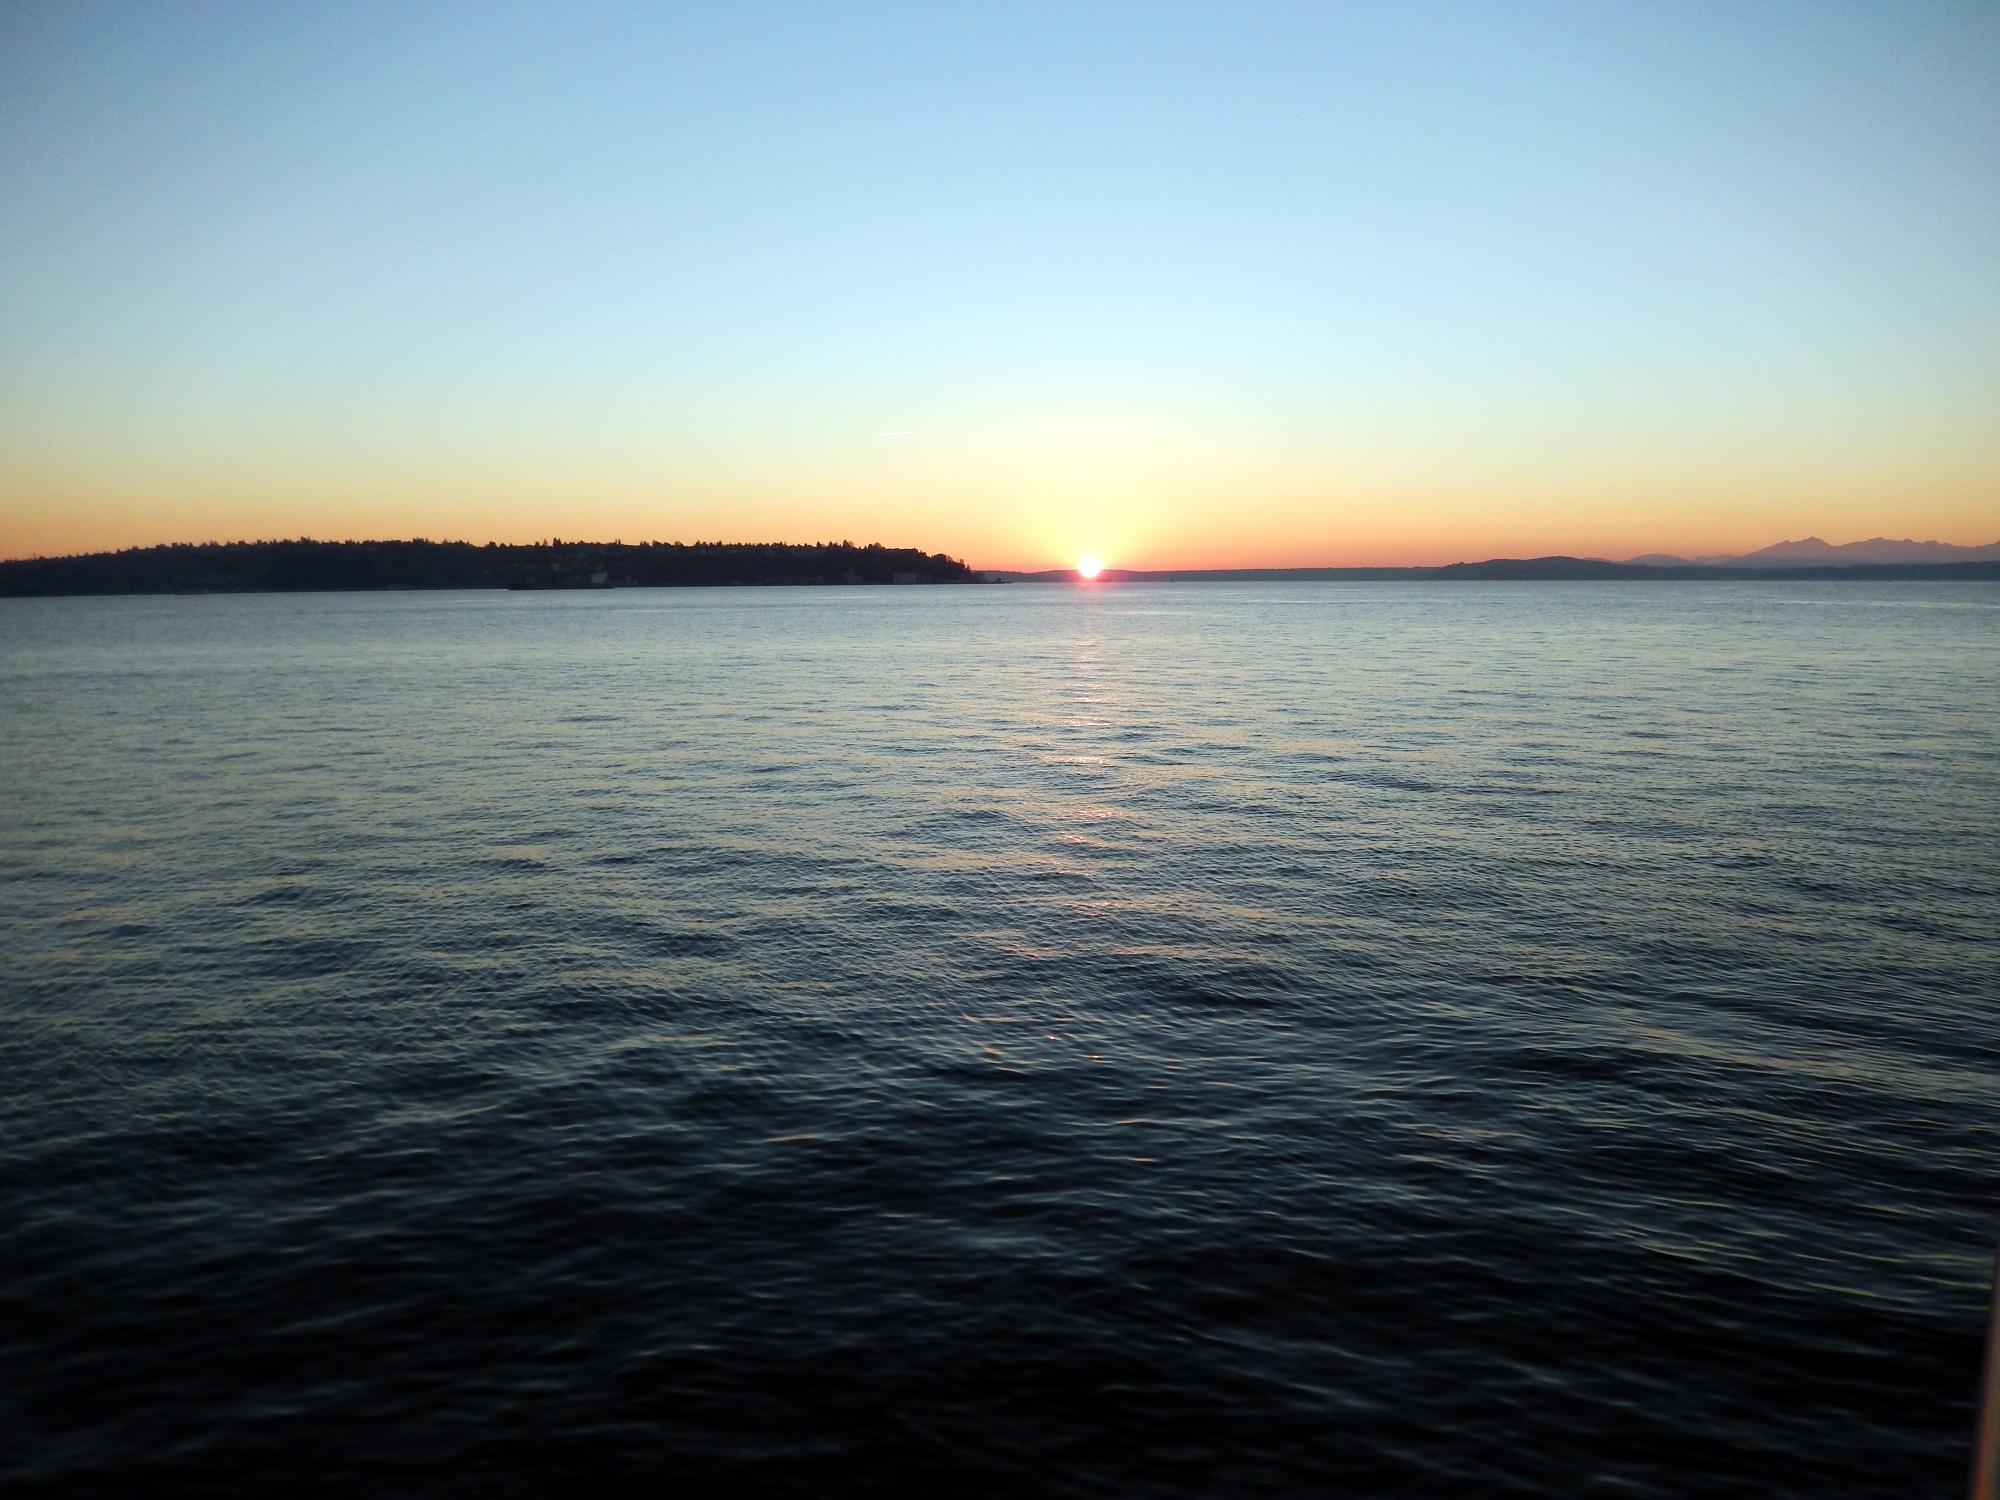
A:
1693,558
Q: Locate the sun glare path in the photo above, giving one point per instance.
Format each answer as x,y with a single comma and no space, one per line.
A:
1087,566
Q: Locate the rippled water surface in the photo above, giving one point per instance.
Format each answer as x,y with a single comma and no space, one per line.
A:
1148,1041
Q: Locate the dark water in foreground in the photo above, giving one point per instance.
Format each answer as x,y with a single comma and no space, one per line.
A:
1194,1041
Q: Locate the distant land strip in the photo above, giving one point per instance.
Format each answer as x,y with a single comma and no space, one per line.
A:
307,566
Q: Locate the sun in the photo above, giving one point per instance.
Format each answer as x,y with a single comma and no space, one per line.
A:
1088,567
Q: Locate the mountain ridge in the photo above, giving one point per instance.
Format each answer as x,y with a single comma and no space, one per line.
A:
1813,551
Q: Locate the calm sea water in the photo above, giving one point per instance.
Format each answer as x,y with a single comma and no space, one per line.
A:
1146,1041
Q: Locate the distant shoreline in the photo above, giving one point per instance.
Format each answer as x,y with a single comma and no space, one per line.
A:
307,566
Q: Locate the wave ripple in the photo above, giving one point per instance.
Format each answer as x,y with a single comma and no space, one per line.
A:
1178,1041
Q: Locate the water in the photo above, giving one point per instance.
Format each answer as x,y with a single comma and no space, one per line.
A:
1148,1041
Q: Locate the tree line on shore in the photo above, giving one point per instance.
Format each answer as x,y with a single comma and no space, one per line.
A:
306,565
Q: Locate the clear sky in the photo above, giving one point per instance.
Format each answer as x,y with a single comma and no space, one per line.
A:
1222,284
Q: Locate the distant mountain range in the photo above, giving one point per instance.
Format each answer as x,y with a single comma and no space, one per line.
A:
1571,568
1811,552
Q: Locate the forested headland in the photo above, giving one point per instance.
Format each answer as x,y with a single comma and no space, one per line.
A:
306,566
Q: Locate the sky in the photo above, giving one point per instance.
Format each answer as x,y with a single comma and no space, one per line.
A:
1178,285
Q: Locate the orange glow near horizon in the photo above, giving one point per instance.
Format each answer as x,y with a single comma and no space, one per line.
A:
998,498
1006,486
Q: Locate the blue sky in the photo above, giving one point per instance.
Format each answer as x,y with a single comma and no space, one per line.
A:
1179,283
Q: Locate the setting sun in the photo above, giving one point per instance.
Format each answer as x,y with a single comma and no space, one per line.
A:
1088,566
